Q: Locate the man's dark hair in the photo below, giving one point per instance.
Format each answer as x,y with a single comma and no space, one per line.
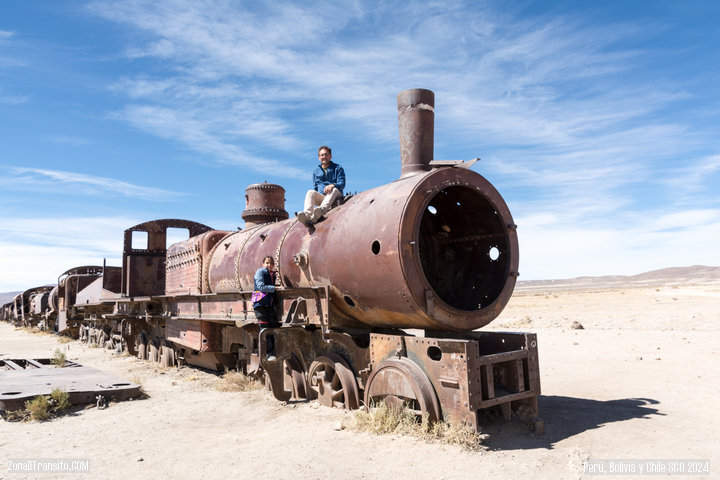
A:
325,147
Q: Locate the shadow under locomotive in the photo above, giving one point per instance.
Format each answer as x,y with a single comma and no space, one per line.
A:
563,421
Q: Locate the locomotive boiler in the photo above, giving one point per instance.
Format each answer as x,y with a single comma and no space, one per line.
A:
380,301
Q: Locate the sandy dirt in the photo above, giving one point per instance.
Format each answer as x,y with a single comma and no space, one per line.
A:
640,381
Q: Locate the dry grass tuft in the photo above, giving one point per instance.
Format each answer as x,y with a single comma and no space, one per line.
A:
58,359
42,408
38,408
60,399
232,381
381,420
33,330
64,339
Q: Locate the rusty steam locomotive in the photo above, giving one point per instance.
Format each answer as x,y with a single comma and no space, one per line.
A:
379,301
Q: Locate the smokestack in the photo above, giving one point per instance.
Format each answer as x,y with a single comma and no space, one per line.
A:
416,123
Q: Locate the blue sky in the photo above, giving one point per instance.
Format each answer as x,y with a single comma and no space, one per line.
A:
597,121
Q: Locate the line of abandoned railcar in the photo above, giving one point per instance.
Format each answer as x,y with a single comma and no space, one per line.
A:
381,301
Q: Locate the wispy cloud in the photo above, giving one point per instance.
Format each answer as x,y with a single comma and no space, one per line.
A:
14,99
172,124
699,179
87,184
525,82
68,140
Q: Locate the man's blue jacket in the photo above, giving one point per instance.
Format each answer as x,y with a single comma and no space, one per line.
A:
335,175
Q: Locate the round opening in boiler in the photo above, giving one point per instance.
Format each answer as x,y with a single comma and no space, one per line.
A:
460,243
375,247
349,301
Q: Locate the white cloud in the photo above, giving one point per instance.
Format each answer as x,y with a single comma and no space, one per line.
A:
508,79
173,124
37,250
37,178
700,178
569,251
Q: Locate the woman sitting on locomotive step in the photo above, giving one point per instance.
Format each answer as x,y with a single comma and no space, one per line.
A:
263,299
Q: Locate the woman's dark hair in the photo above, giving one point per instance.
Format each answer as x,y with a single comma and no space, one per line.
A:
270,257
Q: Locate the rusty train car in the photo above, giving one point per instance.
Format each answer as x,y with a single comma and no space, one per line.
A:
380,301
29,308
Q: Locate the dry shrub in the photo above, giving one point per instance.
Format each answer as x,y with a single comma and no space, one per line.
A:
58,359
453,433
42,407
60,400
237,382
38,408
381,420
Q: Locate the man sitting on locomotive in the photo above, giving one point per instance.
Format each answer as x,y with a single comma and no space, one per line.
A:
328,183
263,299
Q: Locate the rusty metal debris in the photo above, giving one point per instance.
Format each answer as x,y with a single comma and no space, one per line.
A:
24,379
381,299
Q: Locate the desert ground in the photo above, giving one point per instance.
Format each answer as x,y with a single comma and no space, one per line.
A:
638,382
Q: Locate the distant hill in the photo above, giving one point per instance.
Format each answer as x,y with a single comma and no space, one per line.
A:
7,297
666,276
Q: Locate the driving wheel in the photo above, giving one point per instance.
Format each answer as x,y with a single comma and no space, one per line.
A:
333,383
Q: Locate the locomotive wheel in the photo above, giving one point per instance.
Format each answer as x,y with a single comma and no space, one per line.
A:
254,368
153,350
141,346
295,376
167,356
102,337
333,383
400,382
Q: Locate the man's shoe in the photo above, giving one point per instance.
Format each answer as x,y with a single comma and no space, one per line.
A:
303,218
317,214
270,358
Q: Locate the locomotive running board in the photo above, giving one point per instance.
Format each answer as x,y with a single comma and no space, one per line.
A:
23,379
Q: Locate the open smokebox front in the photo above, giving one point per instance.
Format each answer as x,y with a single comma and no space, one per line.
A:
464,248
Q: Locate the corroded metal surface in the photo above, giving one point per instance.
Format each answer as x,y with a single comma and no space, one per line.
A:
144,265
416,125
184,267
264,203
444,240
464,372
24,379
